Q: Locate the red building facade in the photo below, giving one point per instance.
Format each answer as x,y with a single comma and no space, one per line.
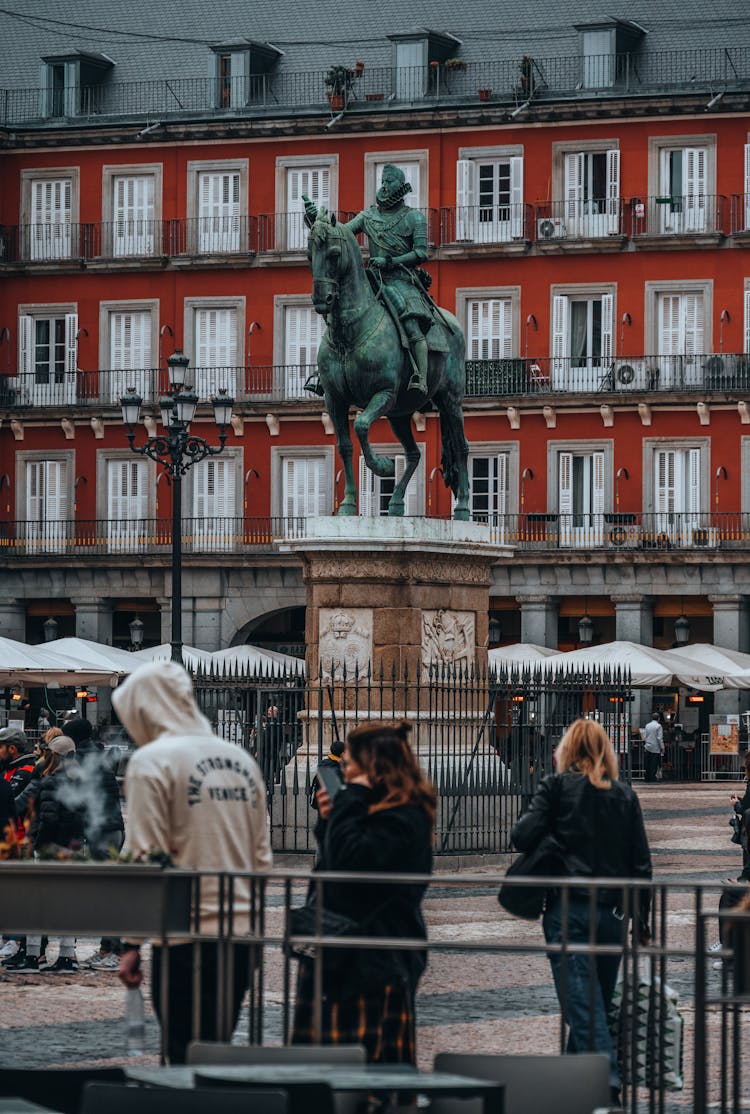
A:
592,240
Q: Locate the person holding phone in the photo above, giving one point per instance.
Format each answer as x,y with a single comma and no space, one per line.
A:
380,820
334,776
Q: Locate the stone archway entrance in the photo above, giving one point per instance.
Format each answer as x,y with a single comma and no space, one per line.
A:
282,630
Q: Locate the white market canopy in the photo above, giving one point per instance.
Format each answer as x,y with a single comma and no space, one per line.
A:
519,654
649,668
732,665
52,665
192,657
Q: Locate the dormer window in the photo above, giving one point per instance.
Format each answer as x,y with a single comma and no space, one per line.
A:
413,51
605,46
238,72
72,84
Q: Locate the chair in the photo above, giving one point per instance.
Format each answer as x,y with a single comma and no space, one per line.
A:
114,1098
533,1084
301,1098
58,1089
213,1052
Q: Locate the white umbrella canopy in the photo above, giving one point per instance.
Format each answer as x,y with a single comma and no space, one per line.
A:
192,657
50,665
648,667
520,654
733,665
253,659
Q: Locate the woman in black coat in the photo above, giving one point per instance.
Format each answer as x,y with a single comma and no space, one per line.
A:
598,826
741,805
381,821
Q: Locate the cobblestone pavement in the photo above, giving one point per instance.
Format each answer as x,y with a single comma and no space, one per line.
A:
468,999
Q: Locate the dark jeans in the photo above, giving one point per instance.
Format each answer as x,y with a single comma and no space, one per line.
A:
651,763
180,1000
572,975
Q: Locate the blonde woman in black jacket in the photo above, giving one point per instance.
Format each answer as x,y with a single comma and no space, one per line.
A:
598,824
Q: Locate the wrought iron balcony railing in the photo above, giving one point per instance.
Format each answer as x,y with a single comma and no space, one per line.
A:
740,218
279,92
649,533
596,219
499,379
679,215
470,225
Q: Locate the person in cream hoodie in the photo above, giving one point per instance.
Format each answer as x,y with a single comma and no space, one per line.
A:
202,801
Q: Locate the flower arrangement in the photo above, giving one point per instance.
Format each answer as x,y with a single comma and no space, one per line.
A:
340,79
457,64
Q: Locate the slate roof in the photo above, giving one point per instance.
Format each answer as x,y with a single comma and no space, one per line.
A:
158,39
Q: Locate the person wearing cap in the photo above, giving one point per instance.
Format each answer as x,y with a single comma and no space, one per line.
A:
202,801
59,823
17,760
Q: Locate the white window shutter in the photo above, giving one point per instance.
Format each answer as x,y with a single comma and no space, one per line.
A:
239,72
35,491
747,321
693,485
613,191
565,465
560,347
693,324
574,184
607,326
516,197
670,331
213,78
597,485
466,199
56,501
694,161
501,496
666,480
747,186
71,344
368,490
25,347
288,491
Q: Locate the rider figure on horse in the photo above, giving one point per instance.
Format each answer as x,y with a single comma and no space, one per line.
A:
397,236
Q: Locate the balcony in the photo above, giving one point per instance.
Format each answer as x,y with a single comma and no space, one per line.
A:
648,534
476,226
561,222
740,214
128,240
281,92
499,380
688,215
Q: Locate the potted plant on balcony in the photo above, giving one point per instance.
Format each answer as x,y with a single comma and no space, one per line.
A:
338,81
455,64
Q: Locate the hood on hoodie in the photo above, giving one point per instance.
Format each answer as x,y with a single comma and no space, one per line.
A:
158,700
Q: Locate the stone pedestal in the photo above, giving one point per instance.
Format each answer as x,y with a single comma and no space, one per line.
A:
393,594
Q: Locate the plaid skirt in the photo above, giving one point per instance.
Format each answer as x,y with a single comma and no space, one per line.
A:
382,1020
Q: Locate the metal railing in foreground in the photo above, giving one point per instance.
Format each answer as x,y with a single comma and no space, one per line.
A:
669,997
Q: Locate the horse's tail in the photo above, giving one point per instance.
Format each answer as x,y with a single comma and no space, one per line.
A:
455,447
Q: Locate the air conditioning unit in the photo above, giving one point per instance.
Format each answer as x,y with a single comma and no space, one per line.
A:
624,537
705,537
550,228
625,375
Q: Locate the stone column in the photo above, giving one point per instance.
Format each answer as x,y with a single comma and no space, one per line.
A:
13,619
165,610
634,623
731,633
94,622
539,620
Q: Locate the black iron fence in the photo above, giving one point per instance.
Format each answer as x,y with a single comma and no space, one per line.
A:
512,80
484,738
678,1021
617,532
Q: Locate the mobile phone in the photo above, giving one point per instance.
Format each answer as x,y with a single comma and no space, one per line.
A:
330,781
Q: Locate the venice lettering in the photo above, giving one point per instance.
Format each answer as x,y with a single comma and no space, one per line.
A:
207,766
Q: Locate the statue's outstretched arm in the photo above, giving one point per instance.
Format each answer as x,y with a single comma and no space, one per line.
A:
311,212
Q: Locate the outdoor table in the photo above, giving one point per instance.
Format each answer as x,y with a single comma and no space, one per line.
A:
340,1077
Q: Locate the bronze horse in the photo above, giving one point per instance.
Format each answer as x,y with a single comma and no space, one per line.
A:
362,363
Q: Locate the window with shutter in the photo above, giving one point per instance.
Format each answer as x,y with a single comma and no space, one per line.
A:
683,182
581,495
303,332
47,359
133,215
219,212
46,526
411,70
130,353
598,60
50,233
677,493
127,503
375,491
315,183
582,342
467,180
214,525
303,494
681,325
488,493
215,348
489,329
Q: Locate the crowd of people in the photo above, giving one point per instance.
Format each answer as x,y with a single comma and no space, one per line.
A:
200,803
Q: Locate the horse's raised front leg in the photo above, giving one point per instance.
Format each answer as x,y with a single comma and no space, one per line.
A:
377,407
339,411
401,426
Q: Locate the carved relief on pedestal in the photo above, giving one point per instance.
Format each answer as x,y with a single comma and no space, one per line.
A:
448,637
344,639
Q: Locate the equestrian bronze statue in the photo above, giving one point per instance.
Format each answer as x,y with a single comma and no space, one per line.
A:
388,349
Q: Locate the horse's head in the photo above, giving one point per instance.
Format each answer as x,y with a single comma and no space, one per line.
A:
326,252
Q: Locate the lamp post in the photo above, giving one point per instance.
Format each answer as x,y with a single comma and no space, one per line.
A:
177,450
135,626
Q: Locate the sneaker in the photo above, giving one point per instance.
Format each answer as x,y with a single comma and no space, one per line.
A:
717,964
23,962
107,962
63,965
9,949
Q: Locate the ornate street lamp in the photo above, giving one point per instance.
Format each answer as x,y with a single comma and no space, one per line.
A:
585,630
682,630
177,450
50,628
135,626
